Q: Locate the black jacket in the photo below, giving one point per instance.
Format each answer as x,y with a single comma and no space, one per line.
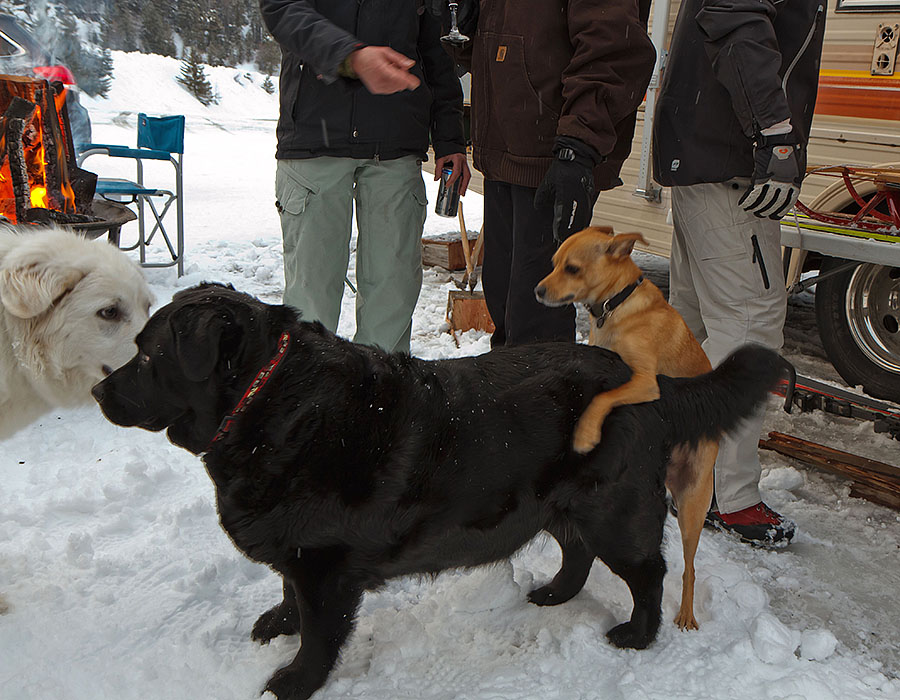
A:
723,84
323,114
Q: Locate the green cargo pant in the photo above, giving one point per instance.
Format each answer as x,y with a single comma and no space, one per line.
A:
315,200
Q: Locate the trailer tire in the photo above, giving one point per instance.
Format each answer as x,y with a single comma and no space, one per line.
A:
858,316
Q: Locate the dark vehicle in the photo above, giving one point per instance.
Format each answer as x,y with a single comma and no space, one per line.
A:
21,54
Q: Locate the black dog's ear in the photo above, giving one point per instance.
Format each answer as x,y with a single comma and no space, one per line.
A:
203,335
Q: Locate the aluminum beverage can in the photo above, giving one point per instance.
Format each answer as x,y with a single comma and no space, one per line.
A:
448,197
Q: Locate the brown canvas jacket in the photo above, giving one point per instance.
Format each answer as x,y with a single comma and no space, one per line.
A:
542,68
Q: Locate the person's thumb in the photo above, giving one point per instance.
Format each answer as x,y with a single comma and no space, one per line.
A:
398,59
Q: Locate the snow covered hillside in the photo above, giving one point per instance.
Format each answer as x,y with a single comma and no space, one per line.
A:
121,584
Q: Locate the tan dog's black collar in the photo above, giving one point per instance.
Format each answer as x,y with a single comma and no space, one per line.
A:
601,310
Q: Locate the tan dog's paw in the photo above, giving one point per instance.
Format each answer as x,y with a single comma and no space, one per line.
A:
586,437
686,620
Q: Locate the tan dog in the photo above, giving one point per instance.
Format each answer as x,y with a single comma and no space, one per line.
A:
630,316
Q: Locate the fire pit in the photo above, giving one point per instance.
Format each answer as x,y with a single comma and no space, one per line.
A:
110,217
40,181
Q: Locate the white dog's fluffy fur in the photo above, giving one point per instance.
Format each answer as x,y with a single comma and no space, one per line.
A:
70,309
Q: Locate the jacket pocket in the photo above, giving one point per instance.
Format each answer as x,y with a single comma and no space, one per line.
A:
529,122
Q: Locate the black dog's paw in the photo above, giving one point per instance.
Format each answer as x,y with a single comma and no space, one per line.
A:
282,619
549,595
628,635
291,683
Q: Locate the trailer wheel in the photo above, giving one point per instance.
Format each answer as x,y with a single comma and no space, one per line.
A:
858,316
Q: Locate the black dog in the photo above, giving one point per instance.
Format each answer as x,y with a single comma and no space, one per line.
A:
341,466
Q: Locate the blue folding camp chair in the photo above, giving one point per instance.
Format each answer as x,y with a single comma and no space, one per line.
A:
158,138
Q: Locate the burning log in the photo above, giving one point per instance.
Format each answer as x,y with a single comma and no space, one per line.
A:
37,157
16,120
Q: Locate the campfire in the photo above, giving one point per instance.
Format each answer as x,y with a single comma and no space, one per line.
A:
40,181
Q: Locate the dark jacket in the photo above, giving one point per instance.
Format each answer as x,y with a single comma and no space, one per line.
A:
323,114
723,84
556,67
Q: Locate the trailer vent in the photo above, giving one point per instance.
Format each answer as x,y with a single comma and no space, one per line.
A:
885,54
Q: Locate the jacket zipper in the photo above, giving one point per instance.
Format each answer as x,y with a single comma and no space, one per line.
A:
812,30
758,259
353,130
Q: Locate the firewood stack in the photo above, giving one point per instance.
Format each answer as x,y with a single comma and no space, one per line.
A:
40,181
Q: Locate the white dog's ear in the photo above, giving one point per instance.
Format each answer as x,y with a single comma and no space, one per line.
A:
29,288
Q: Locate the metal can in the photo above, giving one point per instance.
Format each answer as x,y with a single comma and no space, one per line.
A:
448,197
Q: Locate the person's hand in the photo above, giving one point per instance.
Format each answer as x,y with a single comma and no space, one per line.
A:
460,166
568,187
382,70
776,176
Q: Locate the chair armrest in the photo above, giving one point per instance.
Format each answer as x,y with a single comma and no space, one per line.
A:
113,151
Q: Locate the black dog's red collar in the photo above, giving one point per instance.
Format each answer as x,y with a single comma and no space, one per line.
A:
258,383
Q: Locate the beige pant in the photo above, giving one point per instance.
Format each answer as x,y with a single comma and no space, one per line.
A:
316,198
726,279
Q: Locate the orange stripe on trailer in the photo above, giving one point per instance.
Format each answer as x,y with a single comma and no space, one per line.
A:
858,94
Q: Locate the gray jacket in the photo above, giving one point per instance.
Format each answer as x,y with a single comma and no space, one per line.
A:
735,67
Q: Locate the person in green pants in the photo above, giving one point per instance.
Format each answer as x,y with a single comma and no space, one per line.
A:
364,88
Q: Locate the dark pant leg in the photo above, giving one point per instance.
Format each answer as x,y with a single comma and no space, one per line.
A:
528,320
518,252
498,219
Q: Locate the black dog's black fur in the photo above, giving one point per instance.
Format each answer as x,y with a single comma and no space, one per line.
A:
353,466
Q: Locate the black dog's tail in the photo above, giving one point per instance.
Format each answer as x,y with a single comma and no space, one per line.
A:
704,407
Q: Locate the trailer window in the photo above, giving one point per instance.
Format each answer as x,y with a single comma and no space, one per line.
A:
867,6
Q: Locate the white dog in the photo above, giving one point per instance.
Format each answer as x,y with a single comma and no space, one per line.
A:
70,309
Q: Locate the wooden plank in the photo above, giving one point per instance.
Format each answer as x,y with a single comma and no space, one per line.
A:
882,498
875,481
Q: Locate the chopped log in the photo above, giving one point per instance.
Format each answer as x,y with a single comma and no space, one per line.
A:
467,311
875,481
446,250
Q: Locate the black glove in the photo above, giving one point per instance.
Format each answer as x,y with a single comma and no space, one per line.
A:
568,186
776,176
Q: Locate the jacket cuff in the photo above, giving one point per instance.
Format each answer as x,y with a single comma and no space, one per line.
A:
446,148
330,74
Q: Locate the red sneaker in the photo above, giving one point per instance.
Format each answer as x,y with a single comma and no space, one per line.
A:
759,525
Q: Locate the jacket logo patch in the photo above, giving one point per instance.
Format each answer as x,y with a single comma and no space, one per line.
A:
501,54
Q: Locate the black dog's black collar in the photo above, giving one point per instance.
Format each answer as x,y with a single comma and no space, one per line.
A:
602,310
258,383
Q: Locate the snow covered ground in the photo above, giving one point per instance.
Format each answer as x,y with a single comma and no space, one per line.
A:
121,583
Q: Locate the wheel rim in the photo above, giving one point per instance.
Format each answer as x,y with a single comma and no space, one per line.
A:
873,313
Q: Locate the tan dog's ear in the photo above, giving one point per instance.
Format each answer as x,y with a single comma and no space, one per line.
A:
622,245
28,288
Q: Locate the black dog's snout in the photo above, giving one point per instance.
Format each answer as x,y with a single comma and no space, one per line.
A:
98,392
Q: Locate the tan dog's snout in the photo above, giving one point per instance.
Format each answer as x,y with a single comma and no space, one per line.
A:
543,294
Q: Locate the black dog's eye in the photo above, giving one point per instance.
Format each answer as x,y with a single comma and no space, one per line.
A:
572,269
110,313
144,359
